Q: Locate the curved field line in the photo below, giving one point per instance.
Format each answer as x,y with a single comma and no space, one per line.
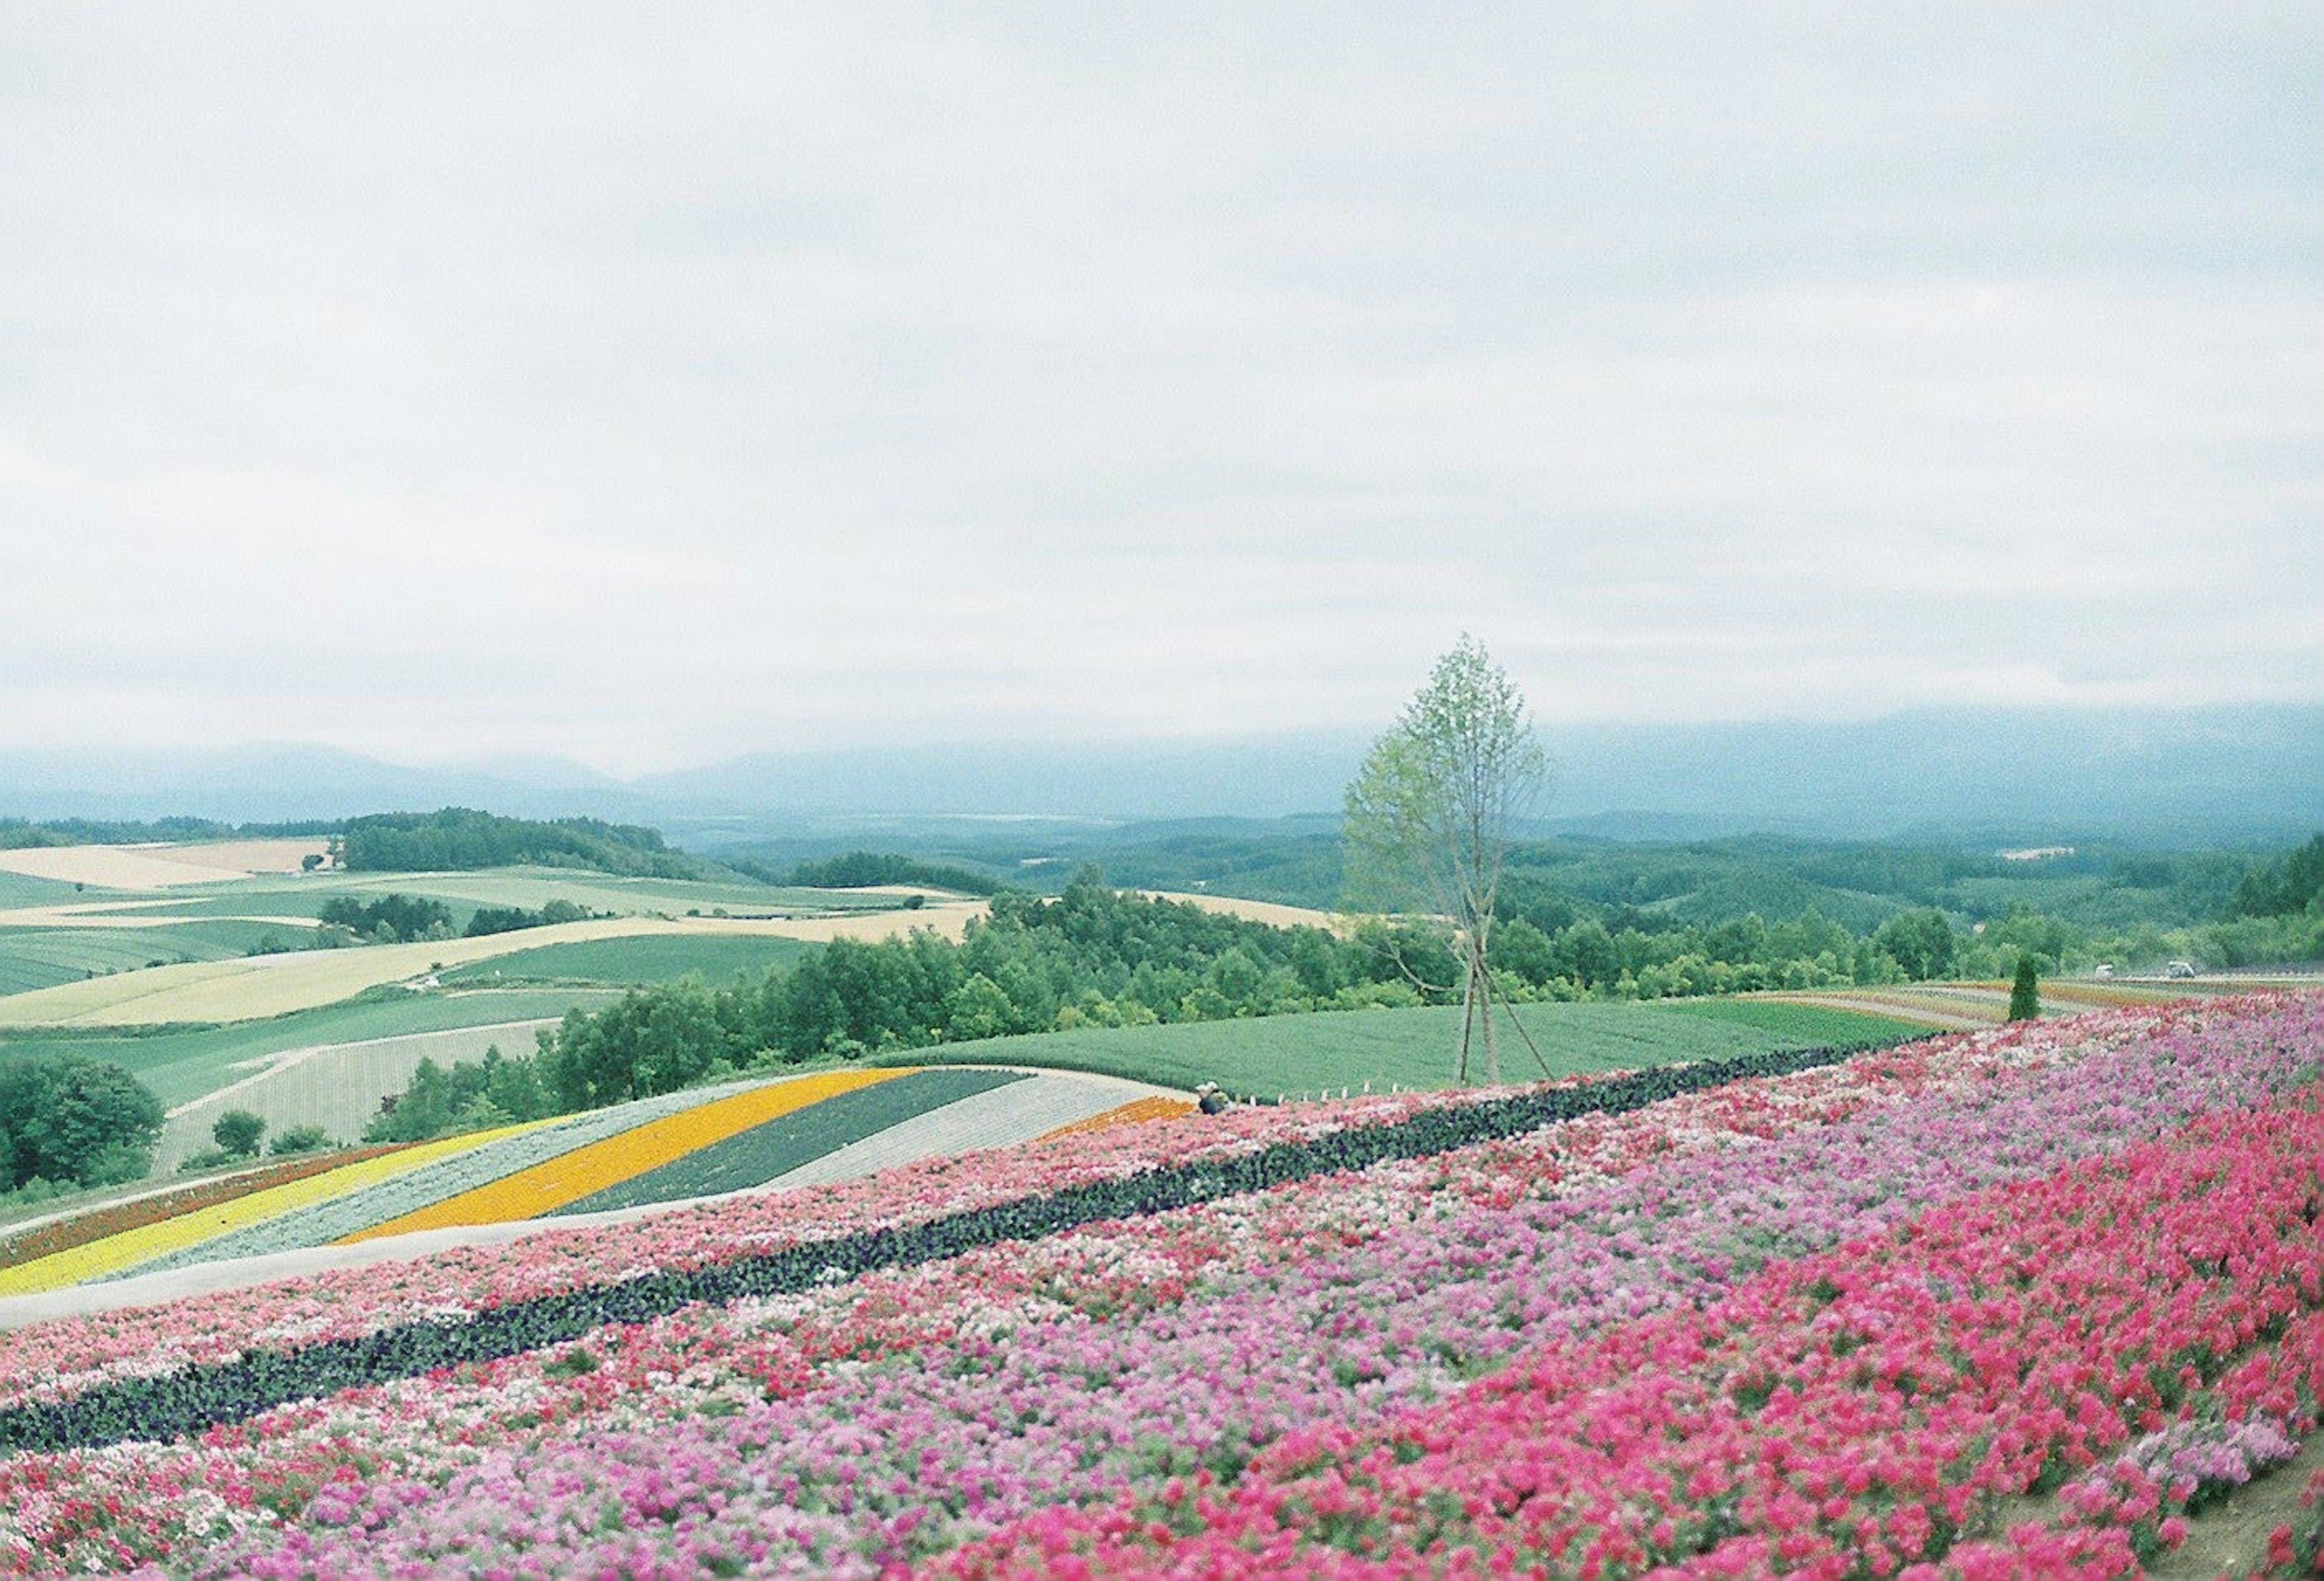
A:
131,1247
569,1177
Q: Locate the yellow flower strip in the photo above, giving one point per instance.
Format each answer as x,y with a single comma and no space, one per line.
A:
1127,1114
131,1247
552,1183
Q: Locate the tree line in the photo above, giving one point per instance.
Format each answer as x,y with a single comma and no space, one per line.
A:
464,838
1094,956
410,919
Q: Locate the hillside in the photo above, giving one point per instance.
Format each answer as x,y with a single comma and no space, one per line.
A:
1969,1303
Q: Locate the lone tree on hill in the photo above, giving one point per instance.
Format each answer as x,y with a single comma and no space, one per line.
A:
1428,818
2025,995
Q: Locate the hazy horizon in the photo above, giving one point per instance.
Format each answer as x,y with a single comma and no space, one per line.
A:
647,390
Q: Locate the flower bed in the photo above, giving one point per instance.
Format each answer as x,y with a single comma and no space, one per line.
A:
1855,1409
1340,1298
321,1223
1136,1111
116,1253
752,1157
569,1177
62,1235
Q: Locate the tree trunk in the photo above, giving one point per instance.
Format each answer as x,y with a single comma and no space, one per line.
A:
1480,986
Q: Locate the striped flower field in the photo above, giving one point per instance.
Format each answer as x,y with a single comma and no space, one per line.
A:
2019,1302
636,1156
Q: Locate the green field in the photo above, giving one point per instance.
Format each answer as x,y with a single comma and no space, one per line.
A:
1310,1054
183,1065
284,894
1800,1025
21,889
39,957
717,958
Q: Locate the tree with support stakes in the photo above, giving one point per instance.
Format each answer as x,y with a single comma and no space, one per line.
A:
1428,820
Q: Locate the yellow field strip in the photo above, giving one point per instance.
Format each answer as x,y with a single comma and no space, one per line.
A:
131,1247
552,1183
1136,1110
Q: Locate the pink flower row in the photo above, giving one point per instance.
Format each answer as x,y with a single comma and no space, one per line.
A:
1853,1412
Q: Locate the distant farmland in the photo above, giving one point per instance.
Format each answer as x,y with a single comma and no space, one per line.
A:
274,985
650,958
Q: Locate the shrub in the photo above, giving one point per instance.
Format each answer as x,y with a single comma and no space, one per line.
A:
298,1139
236,1131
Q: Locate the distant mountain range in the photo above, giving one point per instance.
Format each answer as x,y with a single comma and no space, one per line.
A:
2164,775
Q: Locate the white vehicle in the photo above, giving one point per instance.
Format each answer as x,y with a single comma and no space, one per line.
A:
2179,968
2103,969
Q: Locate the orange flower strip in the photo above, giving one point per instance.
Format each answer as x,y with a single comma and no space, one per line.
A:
552,1183
1136,1109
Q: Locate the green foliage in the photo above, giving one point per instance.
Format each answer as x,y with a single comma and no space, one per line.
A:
392,919
295,1139
473,1095
68,1118
507,919
2025,993
1921,944
860,870
181,1064
2285,889
237,1132
461,838
1262,1057
1428,817
18,833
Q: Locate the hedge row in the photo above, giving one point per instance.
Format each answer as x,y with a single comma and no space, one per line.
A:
200,1396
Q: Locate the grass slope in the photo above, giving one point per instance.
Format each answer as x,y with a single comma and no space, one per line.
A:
625,962
181,1066
1295,1054
755,1156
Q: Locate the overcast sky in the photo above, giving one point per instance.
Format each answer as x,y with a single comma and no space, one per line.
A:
654,384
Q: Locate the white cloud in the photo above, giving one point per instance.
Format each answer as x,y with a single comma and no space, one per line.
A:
442,381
